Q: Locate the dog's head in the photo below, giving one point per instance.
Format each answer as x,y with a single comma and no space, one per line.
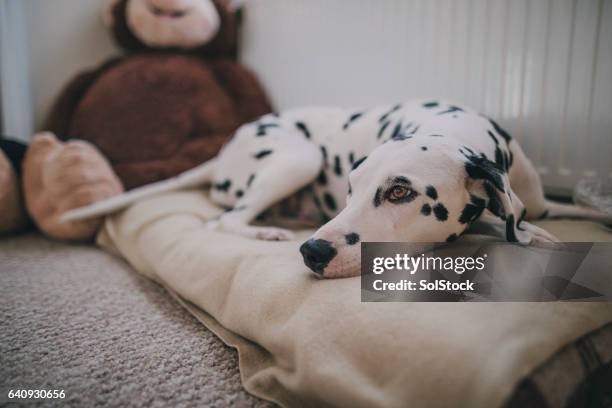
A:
412,192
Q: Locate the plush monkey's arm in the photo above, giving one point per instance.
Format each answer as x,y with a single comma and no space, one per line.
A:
244,88
59,119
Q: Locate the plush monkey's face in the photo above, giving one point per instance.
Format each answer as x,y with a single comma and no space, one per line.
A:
173,23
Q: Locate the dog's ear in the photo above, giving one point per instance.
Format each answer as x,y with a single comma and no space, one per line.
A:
489,182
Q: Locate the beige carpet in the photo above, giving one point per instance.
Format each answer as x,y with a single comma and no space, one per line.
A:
75,318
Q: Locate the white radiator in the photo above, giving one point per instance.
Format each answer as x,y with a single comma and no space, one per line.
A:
542,67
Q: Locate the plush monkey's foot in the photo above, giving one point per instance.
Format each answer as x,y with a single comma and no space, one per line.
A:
60,176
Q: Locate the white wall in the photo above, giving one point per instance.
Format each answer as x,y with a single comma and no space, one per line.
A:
542,67
15,98
65,36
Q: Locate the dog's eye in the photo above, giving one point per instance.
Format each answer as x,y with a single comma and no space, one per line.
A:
398,193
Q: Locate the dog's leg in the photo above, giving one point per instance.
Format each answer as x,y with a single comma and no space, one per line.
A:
294,163
525,182
535,233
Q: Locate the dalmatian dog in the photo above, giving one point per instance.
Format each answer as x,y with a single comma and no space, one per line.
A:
421,171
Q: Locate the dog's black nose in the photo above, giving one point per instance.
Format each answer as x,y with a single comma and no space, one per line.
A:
317,254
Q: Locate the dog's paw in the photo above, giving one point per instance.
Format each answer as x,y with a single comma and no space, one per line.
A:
538,235
274,234
212,225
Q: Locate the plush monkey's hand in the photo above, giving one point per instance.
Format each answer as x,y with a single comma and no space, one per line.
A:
61,176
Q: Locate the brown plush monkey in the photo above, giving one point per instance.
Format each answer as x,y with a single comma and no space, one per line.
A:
166,106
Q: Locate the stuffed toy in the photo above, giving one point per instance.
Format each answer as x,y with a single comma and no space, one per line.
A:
166,106
13,216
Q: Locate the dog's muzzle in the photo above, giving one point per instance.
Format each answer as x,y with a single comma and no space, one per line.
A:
317,254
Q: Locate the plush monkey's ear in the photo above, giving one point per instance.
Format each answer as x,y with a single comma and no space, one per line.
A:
107,12
489,182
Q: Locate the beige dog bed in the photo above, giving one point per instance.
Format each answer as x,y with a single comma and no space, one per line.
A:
309,342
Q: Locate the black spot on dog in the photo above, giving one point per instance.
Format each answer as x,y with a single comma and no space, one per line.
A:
397,130
337,166
432,104
330,201
382,129
402,180
436,135
452,238
469,150
431,192
263,127
500,158
322,178
301,126
350,189
479,168
401,135
470,213
250,180
493,137
473,210
501,131
401,132
510,232
351,158
223,186
494,204
239,193
424,148
324,153
378,197
384,117
521,219
451,109
352,238
440,212
358,162
351,119
426,209
477,201
261,154
508,160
